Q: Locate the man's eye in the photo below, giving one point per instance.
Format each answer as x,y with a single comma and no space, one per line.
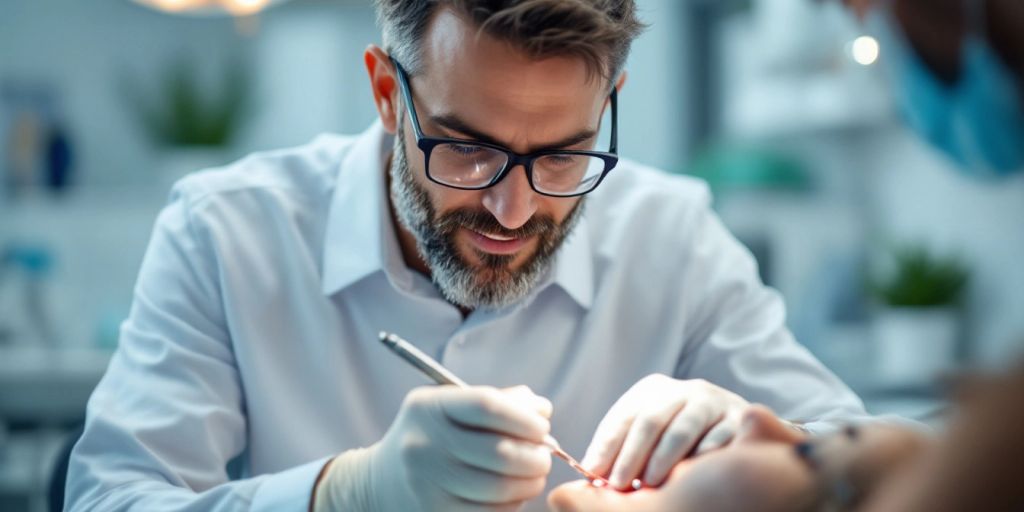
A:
562,159
464,149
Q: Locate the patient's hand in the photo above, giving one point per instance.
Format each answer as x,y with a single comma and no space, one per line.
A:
759,471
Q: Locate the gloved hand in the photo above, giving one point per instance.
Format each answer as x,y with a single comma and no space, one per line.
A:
449,449
658,422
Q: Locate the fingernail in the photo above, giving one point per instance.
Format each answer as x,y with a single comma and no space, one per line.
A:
649,474
545,404
617,481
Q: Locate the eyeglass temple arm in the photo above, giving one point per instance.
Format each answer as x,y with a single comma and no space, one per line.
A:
615,120
403,83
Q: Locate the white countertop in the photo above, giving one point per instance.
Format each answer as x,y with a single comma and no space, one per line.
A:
48,384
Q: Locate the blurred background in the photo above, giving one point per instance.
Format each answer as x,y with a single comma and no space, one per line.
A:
896,269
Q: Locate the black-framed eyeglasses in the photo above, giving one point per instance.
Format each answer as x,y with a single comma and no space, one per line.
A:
475,165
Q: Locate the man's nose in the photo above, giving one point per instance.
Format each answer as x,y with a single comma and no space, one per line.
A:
512,201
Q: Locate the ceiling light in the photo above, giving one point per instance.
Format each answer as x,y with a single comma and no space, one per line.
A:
865,50
210,7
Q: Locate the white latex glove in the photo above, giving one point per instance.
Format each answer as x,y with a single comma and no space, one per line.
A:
449,449
658,422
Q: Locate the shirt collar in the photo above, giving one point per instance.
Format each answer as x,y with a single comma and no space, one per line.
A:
360,238
574,265
354,241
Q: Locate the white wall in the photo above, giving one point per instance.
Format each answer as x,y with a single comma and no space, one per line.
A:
653,119
311,74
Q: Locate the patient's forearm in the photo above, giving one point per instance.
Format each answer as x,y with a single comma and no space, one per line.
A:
976,466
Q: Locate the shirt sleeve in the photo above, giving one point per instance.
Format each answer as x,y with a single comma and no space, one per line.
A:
738,337
168,414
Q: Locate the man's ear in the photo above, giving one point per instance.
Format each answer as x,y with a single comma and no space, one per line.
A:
620,82
384,85
618,89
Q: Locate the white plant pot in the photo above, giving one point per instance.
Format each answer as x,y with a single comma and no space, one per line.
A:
915,345
179,161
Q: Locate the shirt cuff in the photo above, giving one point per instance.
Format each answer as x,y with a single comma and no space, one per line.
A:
289,490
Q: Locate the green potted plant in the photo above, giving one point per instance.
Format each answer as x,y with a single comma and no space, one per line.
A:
192,122
917,326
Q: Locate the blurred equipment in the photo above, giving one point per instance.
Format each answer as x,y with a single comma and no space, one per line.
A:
59,158
34,137
210,7
33,321
979,119
732,167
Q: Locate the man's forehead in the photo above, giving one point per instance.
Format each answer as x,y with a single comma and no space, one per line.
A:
457,52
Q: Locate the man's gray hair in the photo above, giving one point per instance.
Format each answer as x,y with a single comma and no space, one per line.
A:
598,31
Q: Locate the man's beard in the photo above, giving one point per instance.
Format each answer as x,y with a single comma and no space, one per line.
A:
491,284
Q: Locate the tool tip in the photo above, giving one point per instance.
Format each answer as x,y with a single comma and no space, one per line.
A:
552,443
389,338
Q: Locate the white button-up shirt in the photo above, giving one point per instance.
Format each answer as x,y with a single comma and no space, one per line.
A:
253,334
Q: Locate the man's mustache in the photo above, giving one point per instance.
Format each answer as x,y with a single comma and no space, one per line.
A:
484,222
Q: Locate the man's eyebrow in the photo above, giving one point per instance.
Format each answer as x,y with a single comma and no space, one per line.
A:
455,124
